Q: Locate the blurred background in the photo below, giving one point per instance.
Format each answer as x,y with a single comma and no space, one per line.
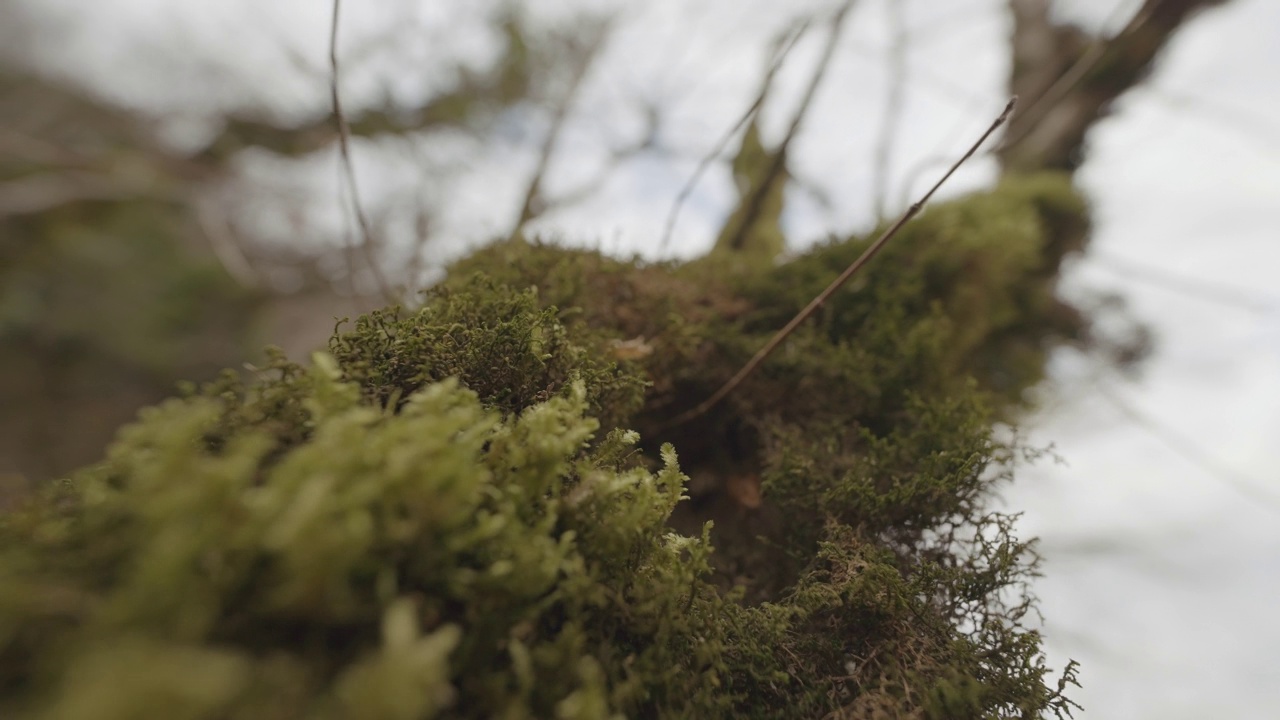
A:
172,198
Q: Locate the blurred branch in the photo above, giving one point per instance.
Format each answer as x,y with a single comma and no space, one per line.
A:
534,204
1072,80
1193,452
344,147
778,160
47,191
1047,100
1257,128
683,196
897,79
1199,289
226,245
476,93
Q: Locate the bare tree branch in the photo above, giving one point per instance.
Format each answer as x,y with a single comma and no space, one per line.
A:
222,239
1187,286
1073,81
683,196
46,191
476,94
836,284
534,204
897,81
779,158
344,148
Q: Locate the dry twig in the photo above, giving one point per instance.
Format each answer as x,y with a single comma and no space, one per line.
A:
755,203
897,81
534,204
710,157
836,284
344,148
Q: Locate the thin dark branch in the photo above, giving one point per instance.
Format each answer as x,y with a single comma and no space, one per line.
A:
670,225
755,203
839,282
344,148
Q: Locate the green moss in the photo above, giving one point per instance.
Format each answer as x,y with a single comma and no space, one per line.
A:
443,517
495,339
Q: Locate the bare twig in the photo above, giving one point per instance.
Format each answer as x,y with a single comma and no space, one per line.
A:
617,156
784,50
755,204
897,80
344,147
422,236
839,282
533,204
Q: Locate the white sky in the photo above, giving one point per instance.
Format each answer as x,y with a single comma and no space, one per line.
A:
1162,578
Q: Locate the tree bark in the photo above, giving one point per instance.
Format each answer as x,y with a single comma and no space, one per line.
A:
1069,80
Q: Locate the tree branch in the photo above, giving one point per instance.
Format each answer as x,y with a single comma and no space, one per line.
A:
1072,80
683,196
897,80
533,203
836,284
778,160
344,148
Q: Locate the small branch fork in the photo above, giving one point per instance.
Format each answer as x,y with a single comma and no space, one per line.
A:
785,49
755,203
836,284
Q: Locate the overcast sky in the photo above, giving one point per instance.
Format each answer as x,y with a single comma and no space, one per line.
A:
1163,572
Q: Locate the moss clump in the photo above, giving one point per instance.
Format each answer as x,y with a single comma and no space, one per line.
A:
496,340
438,518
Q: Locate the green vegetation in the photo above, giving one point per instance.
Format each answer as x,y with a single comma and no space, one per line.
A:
470,509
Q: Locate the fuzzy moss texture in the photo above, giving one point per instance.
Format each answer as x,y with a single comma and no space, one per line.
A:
451,512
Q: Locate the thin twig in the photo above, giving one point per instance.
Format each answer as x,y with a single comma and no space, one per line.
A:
897,80
779,158
344,147
618,155
530,206
836,284
670,225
